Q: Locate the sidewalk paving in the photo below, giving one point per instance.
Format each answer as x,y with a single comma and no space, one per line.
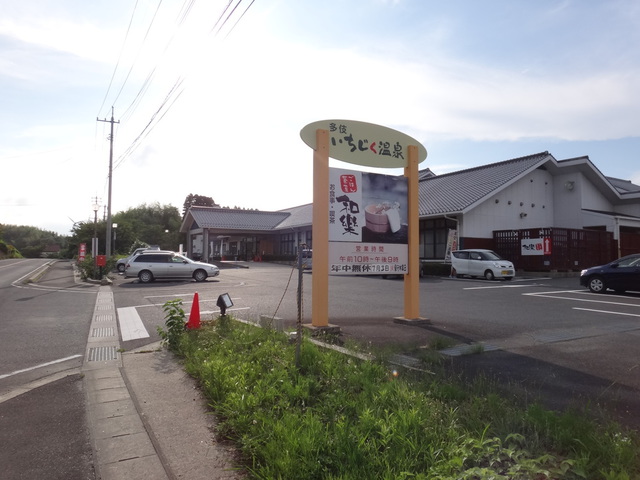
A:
147,417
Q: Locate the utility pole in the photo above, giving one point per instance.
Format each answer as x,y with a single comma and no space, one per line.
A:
108,239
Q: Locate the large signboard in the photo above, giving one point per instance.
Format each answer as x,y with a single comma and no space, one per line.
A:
364,143
368,231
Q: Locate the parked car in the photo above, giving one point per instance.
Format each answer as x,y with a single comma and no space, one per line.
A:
122,262
307,259
481,263
150,265
620,275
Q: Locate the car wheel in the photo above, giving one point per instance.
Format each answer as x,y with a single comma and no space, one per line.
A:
199,275
145,276
489,275
121,267
597,285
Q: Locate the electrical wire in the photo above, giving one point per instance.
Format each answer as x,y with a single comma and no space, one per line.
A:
182,16
124,42
139,50
238,21
173,92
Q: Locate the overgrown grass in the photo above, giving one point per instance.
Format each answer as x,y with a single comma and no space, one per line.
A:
337,417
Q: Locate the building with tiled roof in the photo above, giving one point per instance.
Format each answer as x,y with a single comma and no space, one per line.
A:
486,206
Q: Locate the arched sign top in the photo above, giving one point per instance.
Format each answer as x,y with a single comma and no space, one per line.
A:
364,143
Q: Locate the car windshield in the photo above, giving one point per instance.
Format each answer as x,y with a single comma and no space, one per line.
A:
491,256
629,262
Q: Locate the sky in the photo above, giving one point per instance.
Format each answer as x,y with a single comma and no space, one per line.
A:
210,96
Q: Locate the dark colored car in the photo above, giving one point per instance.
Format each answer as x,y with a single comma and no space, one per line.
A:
620,275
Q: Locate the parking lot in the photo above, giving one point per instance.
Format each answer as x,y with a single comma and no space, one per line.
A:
547,331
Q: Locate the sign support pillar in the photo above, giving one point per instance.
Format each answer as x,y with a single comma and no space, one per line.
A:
412,278
320,270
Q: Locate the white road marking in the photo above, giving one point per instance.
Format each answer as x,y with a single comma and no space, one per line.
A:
131,326
497,286
548,295
39,366
607,312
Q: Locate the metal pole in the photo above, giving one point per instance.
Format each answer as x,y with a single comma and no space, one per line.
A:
299,323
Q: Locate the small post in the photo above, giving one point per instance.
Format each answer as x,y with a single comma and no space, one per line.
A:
299,322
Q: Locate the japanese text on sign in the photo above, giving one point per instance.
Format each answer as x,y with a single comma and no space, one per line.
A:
340,134
535,246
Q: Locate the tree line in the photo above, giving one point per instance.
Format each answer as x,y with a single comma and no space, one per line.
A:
146,224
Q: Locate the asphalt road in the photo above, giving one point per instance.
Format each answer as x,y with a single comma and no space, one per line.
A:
550,335
547,337
43,335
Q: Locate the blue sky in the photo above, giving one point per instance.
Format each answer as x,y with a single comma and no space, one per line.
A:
217,109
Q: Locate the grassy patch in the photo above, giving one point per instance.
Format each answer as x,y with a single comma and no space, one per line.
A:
338,417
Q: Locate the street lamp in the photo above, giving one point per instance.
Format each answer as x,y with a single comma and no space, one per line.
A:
115,226
94,240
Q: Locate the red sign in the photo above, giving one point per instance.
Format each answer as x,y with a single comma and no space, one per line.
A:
348,183
82,251
101,260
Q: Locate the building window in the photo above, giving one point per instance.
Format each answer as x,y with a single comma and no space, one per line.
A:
287,243
433,237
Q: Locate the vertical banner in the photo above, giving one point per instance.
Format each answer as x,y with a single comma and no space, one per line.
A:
452,244
367,223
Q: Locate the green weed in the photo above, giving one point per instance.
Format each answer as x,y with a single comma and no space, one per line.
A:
340,417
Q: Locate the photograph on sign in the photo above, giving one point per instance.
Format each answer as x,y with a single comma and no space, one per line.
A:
367,207
368,231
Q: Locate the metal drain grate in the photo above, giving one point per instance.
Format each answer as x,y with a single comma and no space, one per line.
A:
102,354
102,332
103,318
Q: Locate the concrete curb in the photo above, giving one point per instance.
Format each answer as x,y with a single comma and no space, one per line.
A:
147,418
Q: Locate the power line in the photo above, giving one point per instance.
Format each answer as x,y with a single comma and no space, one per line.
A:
124,42
176,90
139,50
238,21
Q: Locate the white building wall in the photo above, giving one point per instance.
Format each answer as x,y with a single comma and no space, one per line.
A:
592,199
567,194
528,203
632,210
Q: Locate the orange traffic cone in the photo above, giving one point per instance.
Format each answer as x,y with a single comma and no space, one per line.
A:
194,315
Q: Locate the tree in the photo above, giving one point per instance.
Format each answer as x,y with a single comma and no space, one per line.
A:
152,224
197,201
31,241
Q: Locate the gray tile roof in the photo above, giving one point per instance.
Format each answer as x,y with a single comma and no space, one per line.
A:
456,191
298,217
450,193
231,219
623,186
